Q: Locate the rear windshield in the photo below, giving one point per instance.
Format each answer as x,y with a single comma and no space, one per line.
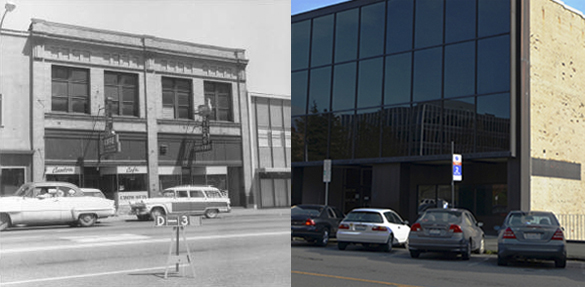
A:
364,216
311,211
441,217
516,219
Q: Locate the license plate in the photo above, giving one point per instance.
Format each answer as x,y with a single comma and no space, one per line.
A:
435,232
360,227
532,236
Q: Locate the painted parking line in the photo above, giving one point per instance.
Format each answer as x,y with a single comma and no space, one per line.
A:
352,279
135,242
85,275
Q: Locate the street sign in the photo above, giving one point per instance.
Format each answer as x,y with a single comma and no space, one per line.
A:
111,144
172,220
457,168
327,170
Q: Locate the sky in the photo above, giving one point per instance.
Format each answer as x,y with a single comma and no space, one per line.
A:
299,6
261,27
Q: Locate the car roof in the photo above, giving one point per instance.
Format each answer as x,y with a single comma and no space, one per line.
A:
49,183
373,209
191,186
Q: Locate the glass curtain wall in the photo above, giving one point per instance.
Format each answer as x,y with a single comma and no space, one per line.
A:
401,78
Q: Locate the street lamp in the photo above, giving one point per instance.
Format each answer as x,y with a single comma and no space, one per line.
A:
9,7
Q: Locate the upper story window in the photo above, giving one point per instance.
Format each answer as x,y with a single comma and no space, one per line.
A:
177,98
219,96
122,89
70,90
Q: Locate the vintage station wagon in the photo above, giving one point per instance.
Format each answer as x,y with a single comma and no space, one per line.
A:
188,199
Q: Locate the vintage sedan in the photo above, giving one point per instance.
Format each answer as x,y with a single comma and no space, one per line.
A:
46,203
446,230
186,199
372,227
531,235
314,223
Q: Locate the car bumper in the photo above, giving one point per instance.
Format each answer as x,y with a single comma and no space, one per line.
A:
431,244
532,251
305,232
359,237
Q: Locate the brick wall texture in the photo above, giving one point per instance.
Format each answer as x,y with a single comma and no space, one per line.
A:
557,99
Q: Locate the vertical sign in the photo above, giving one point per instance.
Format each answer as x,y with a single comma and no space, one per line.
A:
457,170
326,178
327,170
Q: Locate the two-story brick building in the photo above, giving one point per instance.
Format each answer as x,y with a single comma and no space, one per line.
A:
175,112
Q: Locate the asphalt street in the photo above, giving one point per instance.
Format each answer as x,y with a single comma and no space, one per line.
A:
356,266
245,250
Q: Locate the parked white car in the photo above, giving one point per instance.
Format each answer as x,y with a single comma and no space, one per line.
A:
372,226
45,203
187,199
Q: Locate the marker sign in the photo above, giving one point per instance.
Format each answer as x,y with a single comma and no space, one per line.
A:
172,220
457,170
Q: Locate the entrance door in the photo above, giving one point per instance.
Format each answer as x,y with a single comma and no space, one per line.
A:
357,188
430,196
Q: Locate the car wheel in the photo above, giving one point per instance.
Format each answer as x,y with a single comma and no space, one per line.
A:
388,246
466,251
156,212
481,248
324,237
4,221
502,261
561,262
86,220
211,213
342,245
414,253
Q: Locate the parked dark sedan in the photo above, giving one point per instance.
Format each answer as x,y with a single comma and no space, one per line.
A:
315,223
446,230
533,235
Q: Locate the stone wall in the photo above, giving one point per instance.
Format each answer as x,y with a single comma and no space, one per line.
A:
557,79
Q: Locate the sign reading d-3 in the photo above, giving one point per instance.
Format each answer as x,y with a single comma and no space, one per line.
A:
172,220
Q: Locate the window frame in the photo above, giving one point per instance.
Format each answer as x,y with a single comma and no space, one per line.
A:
176,91
70,98
214,101
121,97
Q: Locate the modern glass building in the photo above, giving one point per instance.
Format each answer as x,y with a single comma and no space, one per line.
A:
383,89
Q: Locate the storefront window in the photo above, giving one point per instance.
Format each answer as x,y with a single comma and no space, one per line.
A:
12,179
132,182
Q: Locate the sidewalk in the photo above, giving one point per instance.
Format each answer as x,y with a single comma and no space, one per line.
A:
236,211
575,249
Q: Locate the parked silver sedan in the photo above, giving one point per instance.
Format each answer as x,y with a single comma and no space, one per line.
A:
534,235
446,230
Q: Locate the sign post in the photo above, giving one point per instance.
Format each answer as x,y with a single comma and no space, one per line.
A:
457,171
326,178
178,222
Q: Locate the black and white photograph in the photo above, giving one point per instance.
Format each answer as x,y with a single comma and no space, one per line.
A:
145,143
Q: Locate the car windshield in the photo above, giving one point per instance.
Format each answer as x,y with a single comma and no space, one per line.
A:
441,216
364,216
517,219
24,190
311,211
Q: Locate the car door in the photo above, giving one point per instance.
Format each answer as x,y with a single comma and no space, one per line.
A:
181,202
42,209
198,201
476,231
399,229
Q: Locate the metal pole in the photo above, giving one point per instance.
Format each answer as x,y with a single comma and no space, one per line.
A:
452,181
177,265
326,193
